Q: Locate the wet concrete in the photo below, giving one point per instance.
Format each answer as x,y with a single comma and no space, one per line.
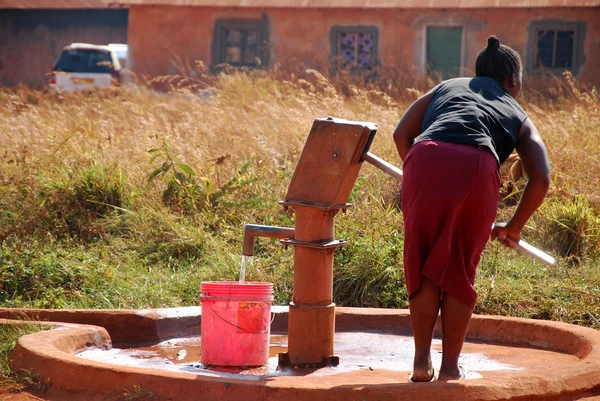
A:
357,351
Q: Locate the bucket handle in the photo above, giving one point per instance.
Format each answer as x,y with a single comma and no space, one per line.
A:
241,328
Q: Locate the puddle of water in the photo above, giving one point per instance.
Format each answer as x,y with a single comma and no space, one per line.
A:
357,351
182,351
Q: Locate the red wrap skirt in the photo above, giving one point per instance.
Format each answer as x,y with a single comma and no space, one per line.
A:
449,202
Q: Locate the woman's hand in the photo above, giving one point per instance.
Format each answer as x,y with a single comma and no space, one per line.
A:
507,235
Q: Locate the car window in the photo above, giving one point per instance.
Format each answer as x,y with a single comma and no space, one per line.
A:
85,60
120,50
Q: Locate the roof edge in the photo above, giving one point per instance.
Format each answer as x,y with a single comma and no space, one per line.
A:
58,4
371,4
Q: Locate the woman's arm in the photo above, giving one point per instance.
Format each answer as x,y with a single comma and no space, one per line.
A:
409,126
533,154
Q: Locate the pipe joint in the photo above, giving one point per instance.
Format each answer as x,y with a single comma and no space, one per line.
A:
251,231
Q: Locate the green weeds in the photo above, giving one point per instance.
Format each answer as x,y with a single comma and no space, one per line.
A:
573,228
139,394
9,335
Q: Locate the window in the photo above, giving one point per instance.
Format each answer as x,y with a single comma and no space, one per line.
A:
443,50
445,42
555,46
85,60
240,44
354,48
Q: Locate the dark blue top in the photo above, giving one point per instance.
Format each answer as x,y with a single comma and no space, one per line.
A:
474,111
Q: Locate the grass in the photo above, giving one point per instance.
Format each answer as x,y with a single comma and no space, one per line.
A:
9,334
130,198
139,394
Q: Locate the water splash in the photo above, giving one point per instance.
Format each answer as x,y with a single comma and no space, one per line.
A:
245,261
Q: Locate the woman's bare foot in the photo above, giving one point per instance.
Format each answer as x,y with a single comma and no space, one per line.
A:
450,374
422,371
463,374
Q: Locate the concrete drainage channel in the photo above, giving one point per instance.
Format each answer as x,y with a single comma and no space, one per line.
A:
515,358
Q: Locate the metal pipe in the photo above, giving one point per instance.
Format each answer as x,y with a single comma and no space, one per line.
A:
382,165
541,256
251,231
312,310
536,253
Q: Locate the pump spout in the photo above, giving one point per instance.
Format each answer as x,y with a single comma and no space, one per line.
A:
251,231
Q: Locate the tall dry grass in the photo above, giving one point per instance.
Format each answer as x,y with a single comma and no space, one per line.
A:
78,212
568,117
244,115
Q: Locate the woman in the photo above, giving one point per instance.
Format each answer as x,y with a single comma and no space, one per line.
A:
452,141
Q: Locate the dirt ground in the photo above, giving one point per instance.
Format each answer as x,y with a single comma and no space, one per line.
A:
7,395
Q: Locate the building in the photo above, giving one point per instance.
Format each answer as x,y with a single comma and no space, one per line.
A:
416,35
33,33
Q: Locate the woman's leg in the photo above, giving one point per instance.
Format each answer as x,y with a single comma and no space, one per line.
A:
472,229
455,322
424,307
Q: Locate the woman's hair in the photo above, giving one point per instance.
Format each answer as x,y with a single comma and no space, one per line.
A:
497,61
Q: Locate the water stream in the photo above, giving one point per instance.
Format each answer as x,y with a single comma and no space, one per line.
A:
245,261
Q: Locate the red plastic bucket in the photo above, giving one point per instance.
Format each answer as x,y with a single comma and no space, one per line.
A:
236,323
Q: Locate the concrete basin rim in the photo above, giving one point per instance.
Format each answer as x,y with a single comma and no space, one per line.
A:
52,346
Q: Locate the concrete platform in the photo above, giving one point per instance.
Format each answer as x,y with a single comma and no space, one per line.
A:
518,359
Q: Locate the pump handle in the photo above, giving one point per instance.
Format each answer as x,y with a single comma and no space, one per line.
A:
382,165
531,250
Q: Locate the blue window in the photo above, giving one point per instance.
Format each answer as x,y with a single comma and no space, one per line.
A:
354,47
555,46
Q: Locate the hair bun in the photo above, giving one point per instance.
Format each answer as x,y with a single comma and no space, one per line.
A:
493,43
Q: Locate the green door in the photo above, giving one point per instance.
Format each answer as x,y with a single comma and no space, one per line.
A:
443,51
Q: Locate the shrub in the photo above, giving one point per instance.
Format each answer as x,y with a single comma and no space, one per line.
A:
573,227
74,205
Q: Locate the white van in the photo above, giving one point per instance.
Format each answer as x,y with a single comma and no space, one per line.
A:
83,66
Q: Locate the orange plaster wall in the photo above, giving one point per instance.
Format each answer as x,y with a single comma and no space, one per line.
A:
161,35
307,39
511,27
165,37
